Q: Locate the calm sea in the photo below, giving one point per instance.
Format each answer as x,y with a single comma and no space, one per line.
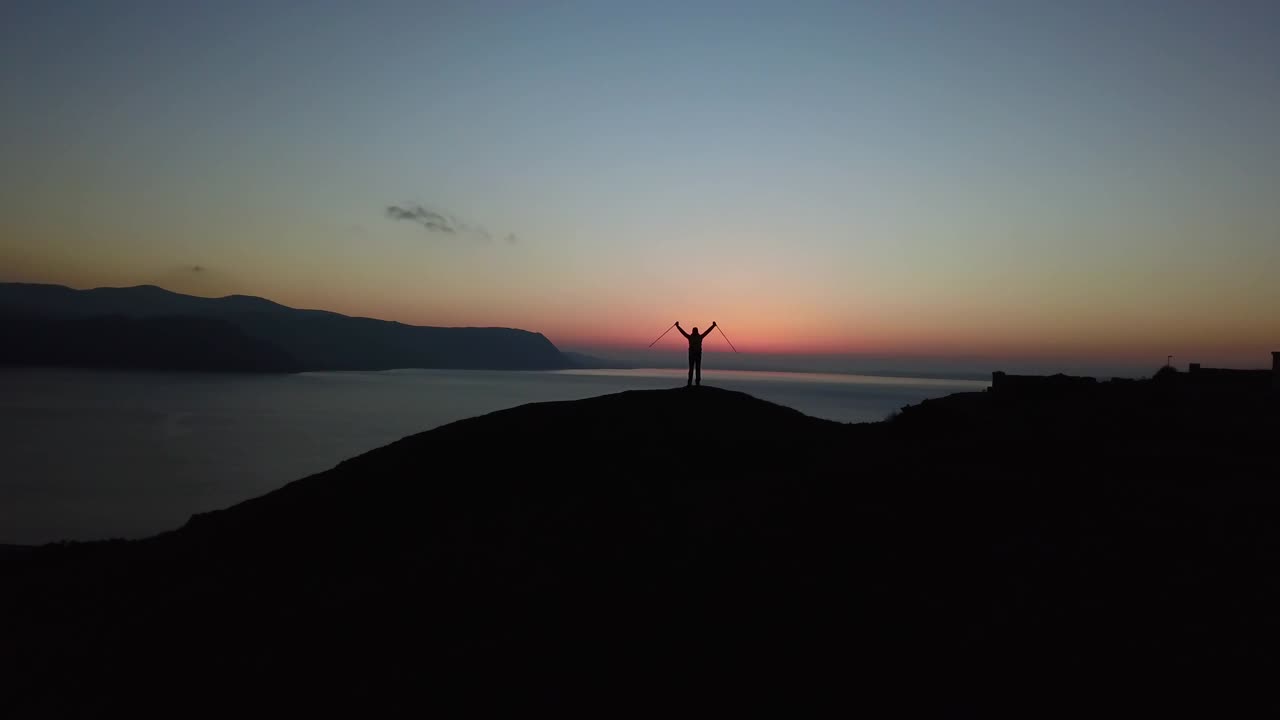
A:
90,454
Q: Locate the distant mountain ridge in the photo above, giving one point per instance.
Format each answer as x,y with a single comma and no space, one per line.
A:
592,362
120,327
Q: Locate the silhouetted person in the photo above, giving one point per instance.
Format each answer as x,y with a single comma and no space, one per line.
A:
695,351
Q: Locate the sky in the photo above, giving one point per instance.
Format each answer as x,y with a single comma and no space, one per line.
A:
1050,182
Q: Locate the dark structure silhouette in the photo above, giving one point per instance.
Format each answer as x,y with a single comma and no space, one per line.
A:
695,352
1226,379
1197,379
1003,382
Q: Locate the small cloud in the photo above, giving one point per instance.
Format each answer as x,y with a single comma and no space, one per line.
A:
440,222
431,220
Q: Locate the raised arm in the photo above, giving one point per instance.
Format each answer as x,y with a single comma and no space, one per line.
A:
682,332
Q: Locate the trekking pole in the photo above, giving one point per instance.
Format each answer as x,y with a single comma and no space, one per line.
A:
726,337
664,334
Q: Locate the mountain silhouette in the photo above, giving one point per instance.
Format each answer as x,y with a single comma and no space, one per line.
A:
698,549
159,329
138,343
592,362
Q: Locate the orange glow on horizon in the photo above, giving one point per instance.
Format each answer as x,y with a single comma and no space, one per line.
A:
761,327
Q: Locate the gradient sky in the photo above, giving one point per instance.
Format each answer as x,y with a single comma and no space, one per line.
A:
1078,180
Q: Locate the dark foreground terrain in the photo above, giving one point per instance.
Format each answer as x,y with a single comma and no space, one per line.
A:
1111,550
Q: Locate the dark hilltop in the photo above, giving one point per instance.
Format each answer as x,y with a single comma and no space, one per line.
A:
1036,548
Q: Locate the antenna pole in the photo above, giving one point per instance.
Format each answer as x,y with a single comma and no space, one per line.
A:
664,334
726,337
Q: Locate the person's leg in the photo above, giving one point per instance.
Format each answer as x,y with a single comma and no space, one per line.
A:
690,380
697,363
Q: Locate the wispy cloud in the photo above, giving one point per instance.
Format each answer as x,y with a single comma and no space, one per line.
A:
429,219
441,222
